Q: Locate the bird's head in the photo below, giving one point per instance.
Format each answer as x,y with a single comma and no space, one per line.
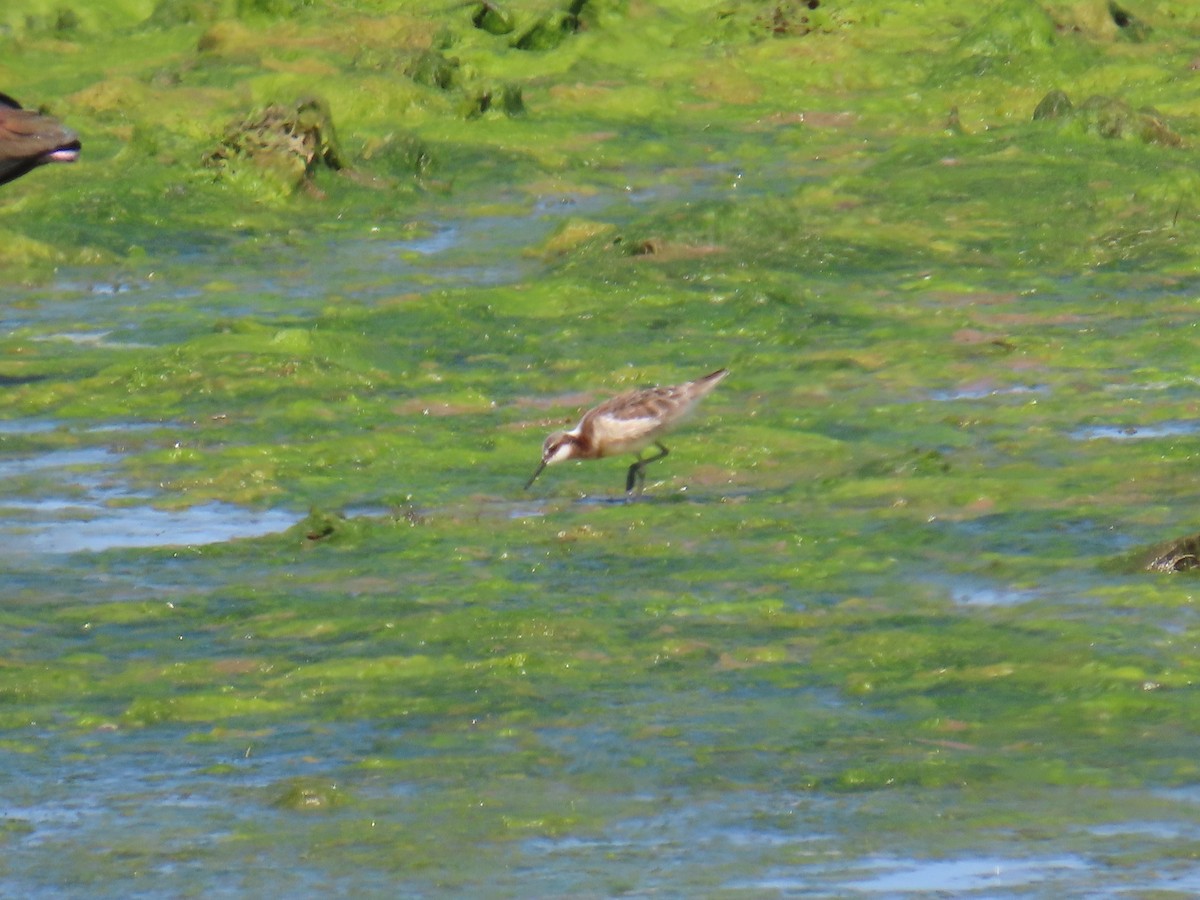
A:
559,446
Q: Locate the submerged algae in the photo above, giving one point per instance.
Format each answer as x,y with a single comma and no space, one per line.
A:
785,591
172,98
768,650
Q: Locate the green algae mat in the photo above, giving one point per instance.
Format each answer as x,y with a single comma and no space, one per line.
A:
899,613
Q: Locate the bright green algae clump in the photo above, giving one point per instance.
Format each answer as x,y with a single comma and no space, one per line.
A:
878,565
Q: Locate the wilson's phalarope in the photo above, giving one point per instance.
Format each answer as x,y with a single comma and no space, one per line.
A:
628,423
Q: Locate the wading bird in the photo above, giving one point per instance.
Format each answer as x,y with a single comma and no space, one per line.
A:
628,423
29,139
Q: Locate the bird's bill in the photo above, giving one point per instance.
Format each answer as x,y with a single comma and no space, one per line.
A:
64,154
533,477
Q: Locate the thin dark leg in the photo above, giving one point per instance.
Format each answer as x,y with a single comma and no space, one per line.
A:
635,471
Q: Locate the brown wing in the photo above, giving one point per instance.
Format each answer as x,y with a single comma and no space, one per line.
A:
649,403
636,417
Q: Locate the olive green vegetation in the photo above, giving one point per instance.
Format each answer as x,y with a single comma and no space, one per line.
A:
937,249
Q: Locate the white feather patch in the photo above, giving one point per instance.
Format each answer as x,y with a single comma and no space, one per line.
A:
619,435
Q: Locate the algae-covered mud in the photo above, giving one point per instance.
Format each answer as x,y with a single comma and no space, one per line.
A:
280,350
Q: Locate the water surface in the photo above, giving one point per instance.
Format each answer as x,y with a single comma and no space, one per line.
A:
278,616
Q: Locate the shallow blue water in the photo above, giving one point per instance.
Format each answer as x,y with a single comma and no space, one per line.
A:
158,812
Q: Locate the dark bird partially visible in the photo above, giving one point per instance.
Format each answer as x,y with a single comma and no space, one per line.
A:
28,140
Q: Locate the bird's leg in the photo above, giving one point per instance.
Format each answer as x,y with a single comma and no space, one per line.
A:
635,471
